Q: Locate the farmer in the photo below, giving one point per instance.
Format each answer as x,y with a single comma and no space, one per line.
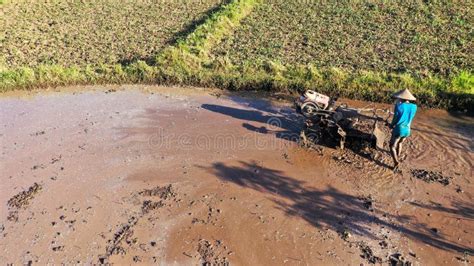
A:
404,112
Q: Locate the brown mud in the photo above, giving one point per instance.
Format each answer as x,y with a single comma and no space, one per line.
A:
153,175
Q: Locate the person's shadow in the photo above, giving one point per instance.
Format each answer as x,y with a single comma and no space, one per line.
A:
332,208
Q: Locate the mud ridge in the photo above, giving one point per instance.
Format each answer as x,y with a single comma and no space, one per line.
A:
431,176
165,192
125,232
149,205
22,199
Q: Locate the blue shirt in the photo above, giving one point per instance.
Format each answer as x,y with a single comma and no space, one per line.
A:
402,118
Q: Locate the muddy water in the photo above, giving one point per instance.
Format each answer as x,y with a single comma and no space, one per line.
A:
243,190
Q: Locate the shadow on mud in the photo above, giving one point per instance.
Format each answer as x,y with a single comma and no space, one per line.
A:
462,209
284,125
329,208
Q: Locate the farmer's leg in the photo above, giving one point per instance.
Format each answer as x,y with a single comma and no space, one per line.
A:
399,146
393,149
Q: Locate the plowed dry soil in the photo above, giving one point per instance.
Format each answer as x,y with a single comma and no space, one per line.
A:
185,176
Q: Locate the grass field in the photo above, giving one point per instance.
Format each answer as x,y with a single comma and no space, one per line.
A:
357,49
392,36
93,32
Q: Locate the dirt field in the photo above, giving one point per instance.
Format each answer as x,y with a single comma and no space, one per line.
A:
93,32
174,176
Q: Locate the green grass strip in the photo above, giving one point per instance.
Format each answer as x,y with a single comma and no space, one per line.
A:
55,75
176,63
456,92
187,60
214,29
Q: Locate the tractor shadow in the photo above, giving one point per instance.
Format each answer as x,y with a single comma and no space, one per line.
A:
329,208
282,124
287,124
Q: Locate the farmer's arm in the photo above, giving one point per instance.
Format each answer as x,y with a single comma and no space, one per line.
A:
395,116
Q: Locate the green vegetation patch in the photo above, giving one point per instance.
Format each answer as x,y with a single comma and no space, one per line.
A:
183,63
69,33
246,61
357,49
384,36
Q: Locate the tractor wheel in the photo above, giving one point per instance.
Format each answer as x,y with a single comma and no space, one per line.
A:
309,109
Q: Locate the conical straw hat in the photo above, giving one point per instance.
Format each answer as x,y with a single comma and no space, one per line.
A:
404,95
